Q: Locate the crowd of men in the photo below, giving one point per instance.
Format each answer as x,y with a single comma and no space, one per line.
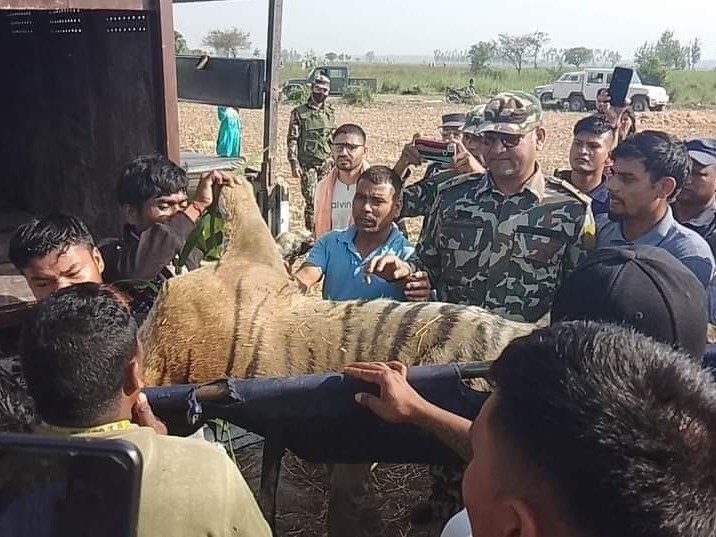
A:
601,423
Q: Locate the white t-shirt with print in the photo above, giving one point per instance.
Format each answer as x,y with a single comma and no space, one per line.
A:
342,205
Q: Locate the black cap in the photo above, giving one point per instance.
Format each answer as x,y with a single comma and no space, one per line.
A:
702,150
644,287
455,121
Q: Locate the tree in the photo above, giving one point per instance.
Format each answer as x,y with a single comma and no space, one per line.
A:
613,57
227,42
331,56
370,56
481,55
578,56
695,53
670,52
649,65
514,49
180,46
539,41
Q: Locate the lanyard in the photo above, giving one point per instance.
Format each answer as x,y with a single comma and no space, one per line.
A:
121,425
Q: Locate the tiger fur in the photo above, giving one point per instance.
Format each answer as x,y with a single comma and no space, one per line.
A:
246,317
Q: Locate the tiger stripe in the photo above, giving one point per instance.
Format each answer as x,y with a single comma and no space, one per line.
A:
248,318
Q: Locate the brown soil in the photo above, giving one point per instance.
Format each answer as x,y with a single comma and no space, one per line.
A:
392,122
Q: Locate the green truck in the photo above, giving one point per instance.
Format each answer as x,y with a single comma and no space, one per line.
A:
340,80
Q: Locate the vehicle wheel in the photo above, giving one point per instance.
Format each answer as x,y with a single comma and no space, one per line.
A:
545,99
640,104
577,103
660,108
452,98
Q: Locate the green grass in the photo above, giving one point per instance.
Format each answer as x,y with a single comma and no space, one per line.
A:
686,88
690,88
396,78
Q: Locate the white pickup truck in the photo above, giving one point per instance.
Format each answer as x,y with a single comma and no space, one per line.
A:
578,89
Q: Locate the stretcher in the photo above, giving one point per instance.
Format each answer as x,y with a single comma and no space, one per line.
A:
317,418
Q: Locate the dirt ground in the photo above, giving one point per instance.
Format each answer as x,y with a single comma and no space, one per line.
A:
392,121
389,124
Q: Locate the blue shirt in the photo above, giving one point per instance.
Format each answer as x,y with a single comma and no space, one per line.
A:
342,266
684,244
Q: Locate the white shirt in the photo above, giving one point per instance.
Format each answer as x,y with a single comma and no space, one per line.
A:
342,205
458,526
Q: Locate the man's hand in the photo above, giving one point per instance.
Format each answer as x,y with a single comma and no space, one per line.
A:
296,170
464,162
389,267
398,401
612,113
204,195
409,157
143,415
417,287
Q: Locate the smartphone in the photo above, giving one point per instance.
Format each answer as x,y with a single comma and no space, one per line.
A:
435,150
54,486
619,86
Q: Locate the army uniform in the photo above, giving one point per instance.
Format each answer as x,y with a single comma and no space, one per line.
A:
309,144
508,254
419,197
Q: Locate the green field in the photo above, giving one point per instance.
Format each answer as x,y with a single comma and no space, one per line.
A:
686,88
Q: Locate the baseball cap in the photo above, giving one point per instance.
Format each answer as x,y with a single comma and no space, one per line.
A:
702,150
514,112
322,80
453,121
474,119
644,287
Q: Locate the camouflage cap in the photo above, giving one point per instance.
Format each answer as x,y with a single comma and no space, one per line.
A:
514,112
474,119
322,80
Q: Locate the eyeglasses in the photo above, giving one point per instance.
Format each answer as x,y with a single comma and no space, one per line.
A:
508,141
348,147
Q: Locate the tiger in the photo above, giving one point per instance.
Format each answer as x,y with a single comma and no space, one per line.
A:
245,316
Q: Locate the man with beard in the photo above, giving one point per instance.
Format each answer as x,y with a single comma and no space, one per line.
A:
309,146
589,158
338,256
504,240
650,169
334,195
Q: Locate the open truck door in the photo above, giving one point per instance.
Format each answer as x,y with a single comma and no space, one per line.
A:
242,83
94,85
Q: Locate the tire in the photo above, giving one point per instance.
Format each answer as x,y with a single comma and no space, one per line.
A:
640,104
577,103
545,99
660,108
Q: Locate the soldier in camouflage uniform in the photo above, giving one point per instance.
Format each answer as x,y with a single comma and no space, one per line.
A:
309,143
504,240
418,198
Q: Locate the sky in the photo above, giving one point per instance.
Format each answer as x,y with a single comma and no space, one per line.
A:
417,27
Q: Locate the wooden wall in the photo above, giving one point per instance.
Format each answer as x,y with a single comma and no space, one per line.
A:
80,95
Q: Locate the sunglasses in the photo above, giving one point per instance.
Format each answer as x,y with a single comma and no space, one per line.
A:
508,141
348,147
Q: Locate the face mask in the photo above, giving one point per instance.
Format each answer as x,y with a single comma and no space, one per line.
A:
318,97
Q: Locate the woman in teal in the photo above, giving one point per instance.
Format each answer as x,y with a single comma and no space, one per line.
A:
228,144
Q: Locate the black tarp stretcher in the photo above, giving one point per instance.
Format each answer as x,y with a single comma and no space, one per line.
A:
317,418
